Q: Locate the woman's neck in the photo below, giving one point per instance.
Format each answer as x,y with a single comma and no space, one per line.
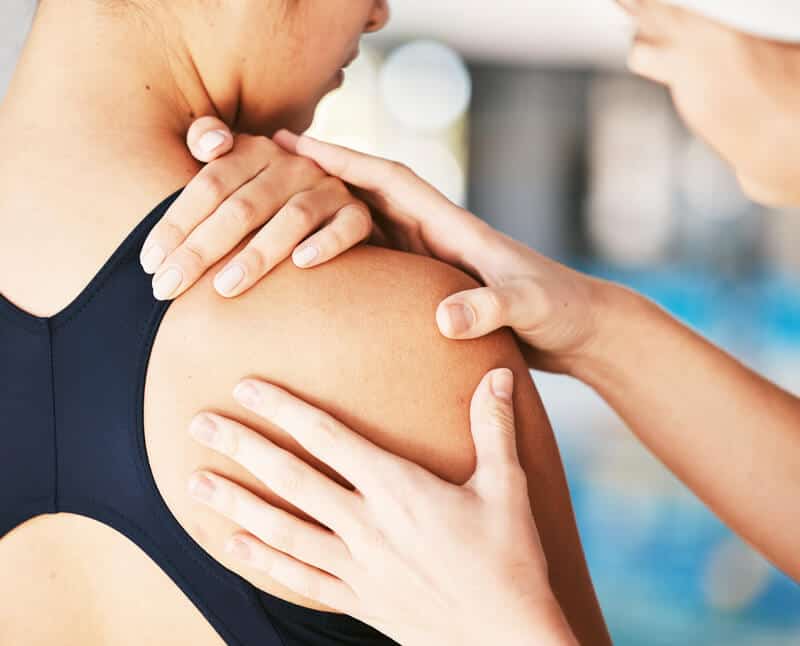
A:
94,81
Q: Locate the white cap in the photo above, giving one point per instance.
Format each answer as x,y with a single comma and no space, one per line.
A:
771,19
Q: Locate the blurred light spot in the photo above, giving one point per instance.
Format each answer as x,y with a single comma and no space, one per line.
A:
425,86
735,576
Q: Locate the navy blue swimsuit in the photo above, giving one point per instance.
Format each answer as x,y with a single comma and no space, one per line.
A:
71,401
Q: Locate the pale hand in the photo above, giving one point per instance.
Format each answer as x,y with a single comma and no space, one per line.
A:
422,560
552,309
250,185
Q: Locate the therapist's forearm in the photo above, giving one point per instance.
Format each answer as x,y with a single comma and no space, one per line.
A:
730,435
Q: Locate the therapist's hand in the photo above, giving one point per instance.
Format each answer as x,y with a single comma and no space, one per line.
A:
251,185
422,560
554,310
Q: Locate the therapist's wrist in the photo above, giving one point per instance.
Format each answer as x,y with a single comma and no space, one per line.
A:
620,319
540,623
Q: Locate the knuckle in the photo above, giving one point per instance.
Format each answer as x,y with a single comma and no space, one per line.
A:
354,224
303,212
334,238
496,303
378,540
369,540
363,219
254,259
242,212
305,166
333,184
267,150
210,185
172,230
398,481
193,254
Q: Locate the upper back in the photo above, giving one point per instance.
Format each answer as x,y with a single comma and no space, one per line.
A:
355,336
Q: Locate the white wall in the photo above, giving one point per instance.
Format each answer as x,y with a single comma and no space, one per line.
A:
15,17
557,32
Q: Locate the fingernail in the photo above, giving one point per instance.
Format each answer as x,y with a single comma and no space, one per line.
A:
203,428
201,487
152,258
165,283
460,318
238,548
210,141
305,256
228,279
246,394
503,384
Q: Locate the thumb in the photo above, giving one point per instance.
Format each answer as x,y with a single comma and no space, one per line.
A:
494,431
477,312
208,139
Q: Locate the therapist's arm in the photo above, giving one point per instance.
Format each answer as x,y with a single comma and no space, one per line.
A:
732,436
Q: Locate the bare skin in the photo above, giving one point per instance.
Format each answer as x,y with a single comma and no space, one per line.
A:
728,433
110,155
602,333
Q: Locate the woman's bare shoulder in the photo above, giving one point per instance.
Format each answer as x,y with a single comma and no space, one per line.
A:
356,336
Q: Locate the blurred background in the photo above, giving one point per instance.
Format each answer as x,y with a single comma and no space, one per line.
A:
526,115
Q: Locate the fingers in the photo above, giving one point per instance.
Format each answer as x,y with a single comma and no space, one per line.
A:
362,170
299,577
391,179
346,452
284,473
258,184
494,432
301,215
209,138
350,226
428,222
275,527
247,209
204,195
478,312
